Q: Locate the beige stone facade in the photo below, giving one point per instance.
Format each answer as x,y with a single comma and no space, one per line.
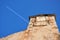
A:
59,36
41,27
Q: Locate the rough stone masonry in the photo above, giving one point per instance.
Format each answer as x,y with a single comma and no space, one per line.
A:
41,27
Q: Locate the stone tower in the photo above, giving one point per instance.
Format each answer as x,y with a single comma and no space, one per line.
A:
41,27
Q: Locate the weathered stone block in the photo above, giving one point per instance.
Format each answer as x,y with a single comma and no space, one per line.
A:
41,27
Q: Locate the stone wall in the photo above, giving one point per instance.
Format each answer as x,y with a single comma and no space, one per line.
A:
41,27
44,27
59,36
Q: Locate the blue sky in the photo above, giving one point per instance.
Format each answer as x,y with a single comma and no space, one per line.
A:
14,14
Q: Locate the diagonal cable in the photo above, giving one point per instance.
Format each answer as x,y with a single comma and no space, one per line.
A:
16,14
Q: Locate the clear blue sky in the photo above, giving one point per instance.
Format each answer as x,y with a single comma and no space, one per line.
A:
12,10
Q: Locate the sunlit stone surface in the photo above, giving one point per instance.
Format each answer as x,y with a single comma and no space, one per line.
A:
41,27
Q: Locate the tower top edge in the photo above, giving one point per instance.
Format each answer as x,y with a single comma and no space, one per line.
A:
42,15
